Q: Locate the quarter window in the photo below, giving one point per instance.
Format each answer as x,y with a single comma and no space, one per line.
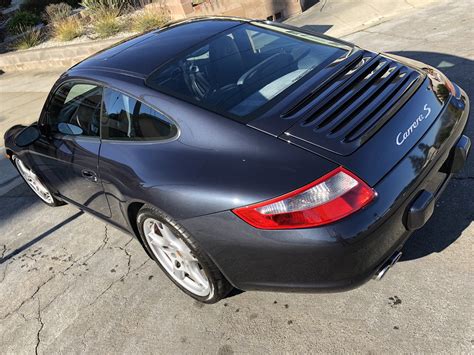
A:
78,104
125,118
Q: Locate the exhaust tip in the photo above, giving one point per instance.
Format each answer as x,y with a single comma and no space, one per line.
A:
387,265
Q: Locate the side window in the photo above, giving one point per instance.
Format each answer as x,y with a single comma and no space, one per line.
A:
78,104
125,118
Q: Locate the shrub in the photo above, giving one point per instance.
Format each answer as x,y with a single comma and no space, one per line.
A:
21,20
38,6
31,37
67,29
5,3
107,24
153,16
97,6
57,12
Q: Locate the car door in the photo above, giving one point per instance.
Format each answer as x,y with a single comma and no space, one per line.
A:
134,153
67,153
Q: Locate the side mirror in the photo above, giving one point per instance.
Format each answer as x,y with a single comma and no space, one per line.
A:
27,136
69,129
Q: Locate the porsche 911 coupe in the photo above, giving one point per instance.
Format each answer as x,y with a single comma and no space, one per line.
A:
249,154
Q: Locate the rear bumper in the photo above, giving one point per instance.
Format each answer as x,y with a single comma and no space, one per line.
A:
345,254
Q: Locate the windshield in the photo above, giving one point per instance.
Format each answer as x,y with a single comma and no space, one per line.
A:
240,71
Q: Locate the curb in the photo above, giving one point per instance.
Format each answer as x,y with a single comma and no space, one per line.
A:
52,57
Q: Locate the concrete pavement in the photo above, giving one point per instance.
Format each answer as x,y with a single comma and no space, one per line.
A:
341,17
22,95
70,283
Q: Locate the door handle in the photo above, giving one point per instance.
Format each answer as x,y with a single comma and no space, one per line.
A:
89,175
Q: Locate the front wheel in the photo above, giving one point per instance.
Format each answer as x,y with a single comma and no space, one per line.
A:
34,182
180,257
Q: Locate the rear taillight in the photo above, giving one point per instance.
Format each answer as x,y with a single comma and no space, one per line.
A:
328,199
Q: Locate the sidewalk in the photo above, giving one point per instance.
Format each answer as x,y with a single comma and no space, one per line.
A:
339,18
22,95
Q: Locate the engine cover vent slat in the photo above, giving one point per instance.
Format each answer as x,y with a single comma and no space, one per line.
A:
352,106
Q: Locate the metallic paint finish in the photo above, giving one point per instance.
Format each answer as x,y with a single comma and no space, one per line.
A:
61,161
338,256
216,164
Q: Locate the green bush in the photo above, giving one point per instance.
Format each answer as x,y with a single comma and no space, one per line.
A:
5,3
30,38
38,6
21,20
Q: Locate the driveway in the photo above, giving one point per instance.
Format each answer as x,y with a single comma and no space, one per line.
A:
70,283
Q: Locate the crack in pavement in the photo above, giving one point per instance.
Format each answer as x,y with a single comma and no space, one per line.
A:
127,243
122,278
27,299
108,288
125,275
82,260
83,339
38,334
4,273
6,265
88,257
56,297
129,256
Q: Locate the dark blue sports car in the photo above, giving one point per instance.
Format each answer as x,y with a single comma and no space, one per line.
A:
249,154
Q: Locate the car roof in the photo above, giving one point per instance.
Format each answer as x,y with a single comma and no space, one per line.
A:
145,53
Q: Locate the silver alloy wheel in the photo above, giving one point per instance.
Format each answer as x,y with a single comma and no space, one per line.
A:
34,182
176,257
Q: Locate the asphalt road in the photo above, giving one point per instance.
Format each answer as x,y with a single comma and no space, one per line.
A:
69,283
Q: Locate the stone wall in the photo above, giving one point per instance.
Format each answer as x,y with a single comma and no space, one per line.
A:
258,9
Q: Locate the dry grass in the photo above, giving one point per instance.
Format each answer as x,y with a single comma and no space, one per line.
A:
151,17
67,29
30,38
54,13
96,6
106,23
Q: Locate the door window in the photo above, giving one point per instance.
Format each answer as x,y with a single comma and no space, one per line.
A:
78,104
125,118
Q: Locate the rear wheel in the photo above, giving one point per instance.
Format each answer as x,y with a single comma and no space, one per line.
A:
180,257
34,182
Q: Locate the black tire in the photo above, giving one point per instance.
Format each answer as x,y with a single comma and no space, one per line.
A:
220,287
55,202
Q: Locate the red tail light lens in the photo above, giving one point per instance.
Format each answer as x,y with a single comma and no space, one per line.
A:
328,199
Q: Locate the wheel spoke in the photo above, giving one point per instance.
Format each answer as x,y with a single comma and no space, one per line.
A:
167,233
34,182
179,273
195,273
176,257
157,239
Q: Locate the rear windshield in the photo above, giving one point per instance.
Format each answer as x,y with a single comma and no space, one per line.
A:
239,72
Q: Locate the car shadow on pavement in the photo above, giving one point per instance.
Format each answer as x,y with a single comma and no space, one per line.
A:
19,199
455,210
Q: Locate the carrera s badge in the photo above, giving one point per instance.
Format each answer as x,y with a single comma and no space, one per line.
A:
402,136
